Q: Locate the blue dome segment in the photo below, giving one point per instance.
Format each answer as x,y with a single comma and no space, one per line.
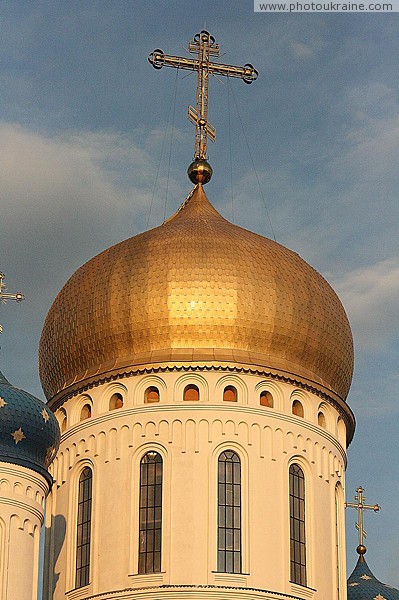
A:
29,431
362,585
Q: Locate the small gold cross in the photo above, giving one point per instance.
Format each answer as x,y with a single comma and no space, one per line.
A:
4,296
360,506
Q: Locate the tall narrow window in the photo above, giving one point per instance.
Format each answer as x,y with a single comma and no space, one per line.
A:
339,534
150,513
297,525
84,528
229,513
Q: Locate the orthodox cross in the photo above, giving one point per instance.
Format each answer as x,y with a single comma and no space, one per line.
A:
360,506
204,46
4,296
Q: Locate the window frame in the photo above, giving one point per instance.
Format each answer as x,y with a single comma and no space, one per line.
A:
297,534
157,532
191,387
84,505
229,515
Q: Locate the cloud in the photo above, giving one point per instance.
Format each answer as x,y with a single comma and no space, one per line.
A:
370,295
301,50
58,191
66,197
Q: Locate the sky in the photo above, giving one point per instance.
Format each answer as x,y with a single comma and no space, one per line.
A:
95,143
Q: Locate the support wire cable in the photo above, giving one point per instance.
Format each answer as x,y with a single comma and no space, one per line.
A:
252,161
230,152
171,142
161,156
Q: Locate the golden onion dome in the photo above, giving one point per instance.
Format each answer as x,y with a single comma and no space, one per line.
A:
201,290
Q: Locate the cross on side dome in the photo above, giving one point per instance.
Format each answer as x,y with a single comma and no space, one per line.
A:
4,296
360,506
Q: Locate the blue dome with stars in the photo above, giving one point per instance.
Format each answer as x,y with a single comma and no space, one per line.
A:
362,585
29,431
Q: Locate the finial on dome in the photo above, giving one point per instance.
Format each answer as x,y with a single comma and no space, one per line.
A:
360,506
200,171
204,46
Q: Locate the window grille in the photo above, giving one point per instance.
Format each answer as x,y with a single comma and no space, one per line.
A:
150,518
229,513
84,528
297,525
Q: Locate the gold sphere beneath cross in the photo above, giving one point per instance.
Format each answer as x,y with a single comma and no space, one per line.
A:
200,171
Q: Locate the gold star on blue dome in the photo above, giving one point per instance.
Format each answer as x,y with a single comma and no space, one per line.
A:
18,435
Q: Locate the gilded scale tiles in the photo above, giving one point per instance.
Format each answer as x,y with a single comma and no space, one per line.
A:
197,288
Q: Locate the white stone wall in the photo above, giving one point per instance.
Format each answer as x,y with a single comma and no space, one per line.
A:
190,436
22,497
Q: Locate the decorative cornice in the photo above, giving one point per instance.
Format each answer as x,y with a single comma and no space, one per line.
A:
26,473
35,512
167,587
310,386
158,409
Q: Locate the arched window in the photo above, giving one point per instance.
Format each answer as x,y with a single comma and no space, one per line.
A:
266,399
116,401
151,395
62,420
230,394
85,413
191,393
297,409
229,513
150,518
339,535
297,525
84,528
321,420
341,432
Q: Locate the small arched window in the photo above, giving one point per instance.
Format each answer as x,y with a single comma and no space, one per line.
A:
116,401
150,517
62,420
230,394
151,395
191,393
229,513
321,420
83,533
297,409
297,525
266,399
85,413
